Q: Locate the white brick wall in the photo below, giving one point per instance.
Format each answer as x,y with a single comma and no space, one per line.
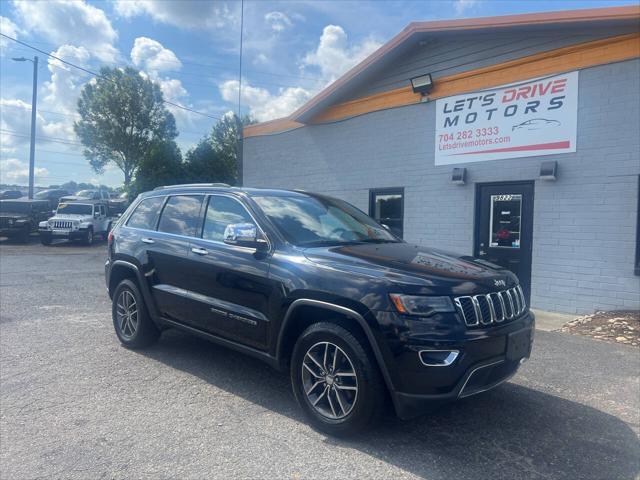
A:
584,223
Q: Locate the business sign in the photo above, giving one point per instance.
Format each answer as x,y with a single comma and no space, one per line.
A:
521,120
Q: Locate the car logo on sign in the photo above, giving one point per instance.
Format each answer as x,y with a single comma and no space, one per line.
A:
500,283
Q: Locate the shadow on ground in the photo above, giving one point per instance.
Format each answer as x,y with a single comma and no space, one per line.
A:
510,432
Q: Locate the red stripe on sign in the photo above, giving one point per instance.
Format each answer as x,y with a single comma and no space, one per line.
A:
539,146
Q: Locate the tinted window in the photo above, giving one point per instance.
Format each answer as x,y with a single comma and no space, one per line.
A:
386,207
181,215
223,211
146,214
315,221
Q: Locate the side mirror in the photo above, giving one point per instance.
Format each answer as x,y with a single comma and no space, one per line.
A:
96,214
242,234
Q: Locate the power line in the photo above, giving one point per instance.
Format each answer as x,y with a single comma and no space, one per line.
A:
48,139
177,105
188,62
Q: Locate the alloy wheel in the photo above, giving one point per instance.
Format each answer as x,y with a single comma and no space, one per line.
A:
329,380
127,314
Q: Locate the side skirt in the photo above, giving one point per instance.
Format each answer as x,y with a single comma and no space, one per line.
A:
260,355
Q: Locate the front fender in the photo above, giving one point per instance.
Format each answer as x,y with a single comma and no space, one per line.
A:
366,321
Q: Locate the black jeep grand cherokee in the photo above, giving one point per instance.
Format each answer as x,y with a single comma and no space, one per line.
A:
312,284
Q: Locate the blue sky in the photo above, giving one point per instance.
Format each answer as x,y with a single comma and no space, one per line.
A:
292,49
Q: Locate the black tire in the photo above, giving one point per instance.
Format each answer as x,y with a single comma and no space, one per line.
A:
46,239
368,399
145,332
88,237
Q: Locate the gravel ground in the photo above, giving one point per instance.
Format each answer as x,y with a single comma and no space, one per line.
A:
75,404
619,327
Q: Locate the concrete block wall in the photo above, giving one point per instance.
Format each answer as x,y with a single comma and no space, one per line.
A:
584,223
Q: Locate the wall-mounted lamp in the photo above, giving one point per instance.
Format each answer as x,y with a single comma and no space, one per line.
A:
459,176
422,84
549,170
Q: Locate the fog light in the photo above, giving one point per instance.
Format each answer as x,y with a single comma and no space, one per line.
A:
438,358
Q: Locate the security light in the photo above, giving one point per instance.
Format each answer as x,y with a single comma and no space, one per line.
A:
422,84
19,59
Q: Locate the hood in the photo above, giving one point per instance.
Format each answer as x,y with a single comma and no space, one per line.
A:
72,216
416,269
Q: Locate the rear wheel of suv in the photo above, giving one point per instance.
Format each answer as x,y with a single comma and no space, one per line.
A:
336,380
131,320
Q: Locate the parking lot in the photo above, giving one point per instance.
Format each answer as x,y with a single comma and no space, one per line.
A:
74,403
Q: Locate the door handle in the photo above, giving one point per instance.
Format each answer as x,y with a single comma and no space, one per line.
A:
199,251
147,240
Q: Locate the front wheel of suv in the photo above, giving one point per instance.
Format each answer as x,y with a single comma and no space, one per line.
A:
336,380
131,320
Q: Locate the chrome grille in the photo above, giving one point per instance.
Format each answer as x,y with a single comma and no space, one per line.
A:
491,308
66,224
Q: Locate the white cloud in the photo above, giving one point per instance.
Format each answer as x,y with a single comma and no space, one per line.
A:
70,22
8,28
262,104
261,59
153,58
15,171
334,55
63,89
150,55
15,122
278,21
461,6
186,14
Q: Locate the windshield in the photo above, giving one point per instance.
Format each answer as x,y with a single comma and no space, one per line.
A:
75,209
85,193
310,221
15,207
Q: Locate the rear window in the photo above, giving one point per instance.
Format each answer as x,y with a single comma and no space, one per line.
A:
145,215
75,209
181,215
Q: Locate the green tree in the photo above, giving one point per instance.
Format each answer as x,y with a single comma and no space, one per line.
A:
122,117
215,157
161,166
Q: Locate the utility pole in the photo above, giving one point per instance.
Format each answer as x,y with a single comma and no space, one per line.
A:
240,128
34,98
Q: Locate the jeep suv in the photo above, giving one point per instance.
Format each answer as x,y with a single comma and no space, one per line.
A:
311,284
76,221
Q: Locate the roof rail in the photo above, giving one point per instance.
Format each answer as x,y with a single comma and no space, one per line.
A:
183,185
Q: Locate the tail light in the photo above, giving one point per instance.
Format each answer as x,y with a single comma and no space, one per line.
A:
110,239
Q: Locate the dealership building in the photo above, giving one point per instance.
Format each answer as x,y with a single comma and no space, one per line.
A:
515,139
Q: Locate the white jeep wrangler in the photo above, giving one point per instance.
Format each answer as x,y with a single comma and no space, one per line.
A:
76,221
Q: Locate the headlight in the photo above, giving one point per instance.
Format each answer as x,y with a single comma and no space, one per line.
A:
422,306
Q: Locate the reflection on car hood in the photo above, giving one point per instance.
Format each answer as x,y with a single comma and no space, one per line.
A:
414,267
72,216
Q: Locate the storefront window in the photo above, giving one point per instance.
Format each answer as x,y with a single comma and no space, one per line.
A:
504,223
386,206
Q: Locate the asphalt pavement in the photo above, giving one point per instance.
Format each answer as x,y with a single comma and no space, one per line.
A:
75,404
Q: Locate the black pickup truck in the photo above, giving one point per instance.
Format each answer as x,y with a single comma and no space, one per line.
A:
19,217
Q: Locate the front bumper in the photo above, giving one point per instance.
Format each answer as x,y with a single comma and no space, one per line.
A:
11,231
486,357
64,234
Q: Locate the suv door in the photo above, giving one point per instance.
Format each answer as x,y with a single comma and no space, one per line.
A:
168,250
229,284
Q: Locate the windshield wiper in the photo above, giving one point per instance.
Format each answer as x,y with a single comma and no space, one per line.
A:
379,240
